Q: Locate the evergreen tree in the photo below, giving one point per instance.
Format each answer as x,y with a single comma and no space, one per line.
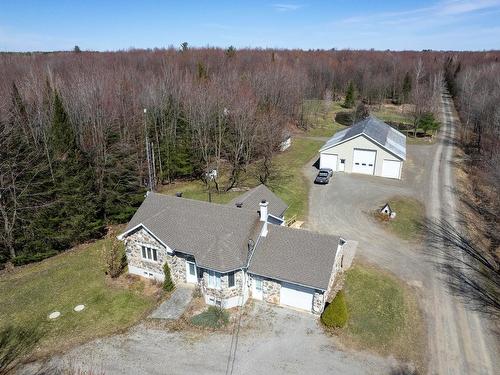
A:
406,89
168,284
350,96
123,192
75,215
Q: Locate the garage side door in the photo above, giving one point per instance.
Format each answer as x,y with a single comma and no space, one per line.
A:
363,161
296,296
391,168
328,161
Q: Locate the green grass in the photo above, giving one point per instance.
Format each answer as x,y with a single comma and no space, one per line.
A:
60,283
391,113
196,189
213,317
289,183
410,214
321,118
383,315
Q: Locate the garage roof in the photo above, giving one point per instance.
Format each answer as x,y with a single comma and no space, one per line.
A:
378,131
295,255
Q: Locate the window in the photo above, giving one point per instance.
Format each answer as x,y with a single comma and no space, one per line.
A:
258,284
192,269
213,279
149,253
230,279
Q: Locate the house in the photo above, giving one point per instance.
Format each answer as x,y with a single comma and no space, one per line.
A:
369,147
235,253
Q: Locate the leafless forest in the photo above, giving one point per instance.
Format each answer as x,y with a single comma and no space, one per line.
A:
73,126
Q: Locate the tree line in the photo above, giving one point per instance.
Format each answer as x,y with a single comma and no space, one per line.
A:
80,131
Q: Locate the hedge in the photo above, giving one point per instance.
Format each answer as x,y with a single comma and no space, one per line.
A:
335,314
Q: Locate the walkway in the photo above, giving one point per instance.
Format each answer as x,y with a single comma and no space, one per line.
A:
174,307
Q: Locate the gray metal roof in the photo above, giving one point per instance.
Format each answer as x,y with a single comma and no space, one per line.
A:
295,255
216,235
382,133
251,199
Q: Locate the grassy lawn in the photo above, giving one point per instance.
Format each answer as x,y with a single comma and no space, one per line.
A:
60,283
393,113
409,215
195,189
289,183
321,117
383,315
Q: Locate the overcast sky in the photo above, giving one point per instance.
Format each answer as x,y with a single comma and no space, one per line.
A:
47,25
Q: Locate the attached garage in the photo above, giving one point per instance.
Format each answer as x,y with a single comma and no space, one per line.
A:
328,161
296,296
369,147
391,168
364,161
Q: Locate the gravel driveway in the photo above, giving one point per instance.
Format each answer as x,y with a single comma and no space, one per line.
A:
271,340
344,207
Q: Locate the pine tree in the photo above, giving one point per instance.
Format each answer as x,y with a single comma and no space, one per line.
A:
349,96
406,89
168,284
75,215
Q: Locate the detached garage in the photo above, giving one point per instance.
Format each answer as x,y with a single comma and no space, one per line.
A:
368,147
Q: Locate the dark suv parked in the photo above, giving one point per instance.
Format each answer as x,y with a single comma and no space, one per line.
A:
323,176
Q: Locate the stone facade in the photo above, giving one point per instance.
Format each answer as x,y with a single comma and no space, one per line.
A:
225,291
271,291
133,244
318,302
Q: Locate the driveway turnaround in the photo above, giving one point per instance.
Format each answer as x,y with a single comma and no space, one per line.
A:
268,340
176,304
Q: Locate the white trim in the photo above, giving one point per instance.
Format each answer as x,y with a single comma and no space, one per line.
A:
369,138
287,281
141,272
121,237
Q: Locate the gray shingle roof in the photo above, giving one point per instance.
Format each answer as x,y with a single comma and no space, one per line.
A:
295,255
216,235
382,133
251,199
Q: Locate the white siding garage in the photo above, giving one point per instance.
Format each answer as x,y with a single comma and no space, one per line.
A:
391,168
296,296
328,161
369,147
364,161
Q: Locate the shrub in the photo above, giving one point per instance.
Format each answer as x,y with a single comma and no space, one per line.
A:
114,258
335,314
16,343
344,118
213,317
168,284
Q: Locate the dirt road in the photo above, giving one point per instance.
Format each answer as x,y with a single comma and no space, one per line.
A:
459,340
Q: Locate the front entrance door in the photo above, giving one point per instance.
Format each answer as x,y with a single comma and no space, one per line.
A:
191,276
342,165
257,288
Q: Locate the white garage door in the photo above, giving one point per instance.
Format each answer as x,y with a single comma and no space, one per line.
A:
391,168
328,161
296,296
363,161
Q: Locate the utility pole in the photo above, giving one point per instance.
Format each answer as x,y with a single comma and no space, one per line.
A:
150,183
